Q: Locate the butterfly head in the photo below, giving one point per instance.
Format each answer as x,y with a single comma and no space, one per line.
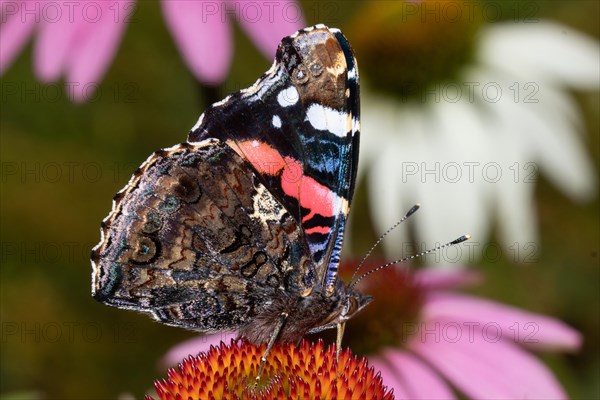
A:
347,302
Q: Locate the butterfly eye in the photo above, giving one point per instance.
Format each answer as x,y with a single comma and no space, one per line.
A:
351,305
316,69
300,75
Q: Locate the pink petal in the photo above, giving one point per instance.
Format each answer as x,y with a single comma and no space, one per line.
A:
438,278
413,377
95,46
57,30
533,330
389,376
15,29
267,22
485,369
203,37
196,345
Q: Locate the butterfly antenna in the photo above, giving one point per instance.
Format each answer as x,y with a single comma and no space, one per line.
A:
452,243
408,214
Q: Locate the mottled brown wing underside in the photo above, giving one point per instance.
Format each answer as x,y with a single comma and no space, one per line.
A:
196,240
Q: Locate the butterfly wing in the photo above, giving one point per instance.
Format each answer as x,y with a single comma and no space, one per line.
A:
298,125
195,251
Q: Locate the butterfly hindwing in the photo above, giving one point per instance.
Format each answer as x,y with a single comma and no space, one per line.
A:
194,251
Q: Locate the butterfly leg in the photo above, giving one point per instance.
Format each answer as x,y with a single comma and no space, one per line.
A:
338,342
272,340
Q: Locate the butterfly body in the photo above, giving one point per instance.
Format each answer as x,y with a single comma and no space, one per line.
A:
241,227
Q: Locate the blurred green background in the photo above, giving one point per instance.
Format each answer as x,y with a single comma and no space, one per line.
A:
62,163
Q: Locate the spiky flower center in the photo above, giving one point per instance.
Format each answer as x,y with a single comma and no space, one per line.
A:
306,371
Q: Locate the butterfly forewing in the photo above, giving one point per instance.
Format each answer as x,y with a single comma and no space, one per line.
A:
299,127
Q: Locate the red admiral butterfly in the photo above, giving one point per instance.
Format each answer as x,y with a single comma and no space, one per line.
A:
241,227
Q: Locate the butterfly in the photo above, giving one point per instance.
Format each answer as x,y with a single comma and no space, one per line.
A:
241,227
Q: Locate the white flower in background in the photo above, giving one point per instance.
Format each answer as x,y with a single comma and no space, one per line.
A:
471,152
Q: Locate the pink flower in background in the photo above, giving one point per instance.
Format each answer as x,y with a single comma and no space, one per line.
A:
75,40
453,342
478,346
78,40
203,33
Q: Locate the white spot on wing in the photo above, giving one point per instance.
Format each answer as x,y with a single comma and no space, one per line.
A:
276,121
355,125
325,118
288,97
352,73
